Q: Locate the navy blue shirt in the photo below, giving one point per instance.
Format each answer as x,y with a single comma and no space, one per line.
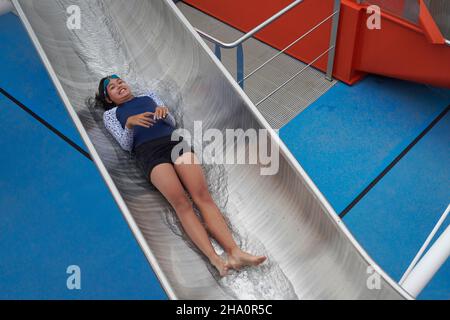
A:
140,134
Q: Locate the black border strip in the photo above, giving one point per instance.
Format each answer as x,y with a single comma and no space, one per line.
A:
46,124
394,162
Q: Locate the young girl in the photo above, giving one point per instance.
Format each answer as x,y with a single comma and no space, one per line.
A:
144,125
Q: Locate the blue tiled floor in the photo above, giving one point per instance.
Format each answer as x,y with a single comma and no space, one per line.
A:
347,137
395,218
56,210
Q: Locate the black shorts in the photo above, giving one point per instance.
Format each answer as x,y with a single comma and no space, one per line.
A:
155,152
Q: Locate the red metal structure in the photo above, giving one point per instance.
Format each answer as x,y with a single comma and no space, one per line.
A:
400,48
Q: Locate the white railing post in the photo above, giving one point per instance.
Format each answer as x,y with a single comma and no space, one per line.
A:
425,244
427,267
333,39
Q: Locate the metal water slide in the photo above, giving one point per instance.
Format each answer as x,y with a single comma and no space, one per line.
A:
311,253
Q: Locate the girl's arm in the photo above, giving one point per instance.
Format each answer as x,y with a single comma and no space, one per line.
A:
170,120
155,98
123,136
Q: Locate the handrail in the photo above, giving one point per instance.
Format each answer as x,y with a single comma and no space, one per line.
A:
293,77
290,45
240,51
429,265
252,32
425,245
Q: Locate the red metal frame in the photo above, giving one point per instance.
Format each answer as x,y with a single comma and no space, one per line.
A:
400,49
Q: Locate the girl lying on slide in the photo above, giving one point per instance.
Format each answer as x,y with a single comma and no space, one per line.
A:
144,125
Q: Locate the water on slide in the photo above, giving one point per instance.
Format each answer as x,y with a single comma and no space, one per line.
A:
151,45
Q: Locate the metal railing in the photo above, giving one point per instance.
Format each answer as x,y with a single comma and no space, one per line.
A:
421,270
240,51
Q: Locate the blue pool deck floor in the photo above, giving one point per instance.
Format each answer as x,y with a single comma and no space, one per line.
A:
350,135
57,211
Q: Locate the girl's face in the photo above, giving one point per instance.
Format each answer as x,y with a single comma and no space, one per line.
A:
118,91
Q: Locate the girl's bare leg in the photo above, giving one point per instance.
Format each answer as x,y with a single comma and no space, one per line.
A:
165,179
191,175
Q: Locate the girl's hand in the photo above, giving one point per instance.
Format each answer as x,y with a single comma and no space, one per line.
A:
144,120
161,113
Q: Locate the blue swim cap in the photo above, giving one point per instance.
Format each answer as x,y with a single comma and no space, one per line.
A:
106,83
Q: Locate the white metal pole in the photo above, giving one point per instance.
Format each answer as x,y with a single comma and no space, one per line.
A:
427,267
333,39
5,6
425,245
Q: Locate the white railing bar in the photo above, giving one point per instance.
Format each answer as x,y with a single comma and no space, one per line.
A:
425,245
289,46
294,76
251,32
429,265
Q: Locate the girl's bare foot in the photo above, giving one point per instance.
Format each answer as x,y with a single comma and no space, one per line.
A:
239,259
220,265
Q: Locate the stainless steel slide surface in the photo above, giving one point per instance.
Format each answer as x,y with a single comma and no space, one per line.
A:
148,42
